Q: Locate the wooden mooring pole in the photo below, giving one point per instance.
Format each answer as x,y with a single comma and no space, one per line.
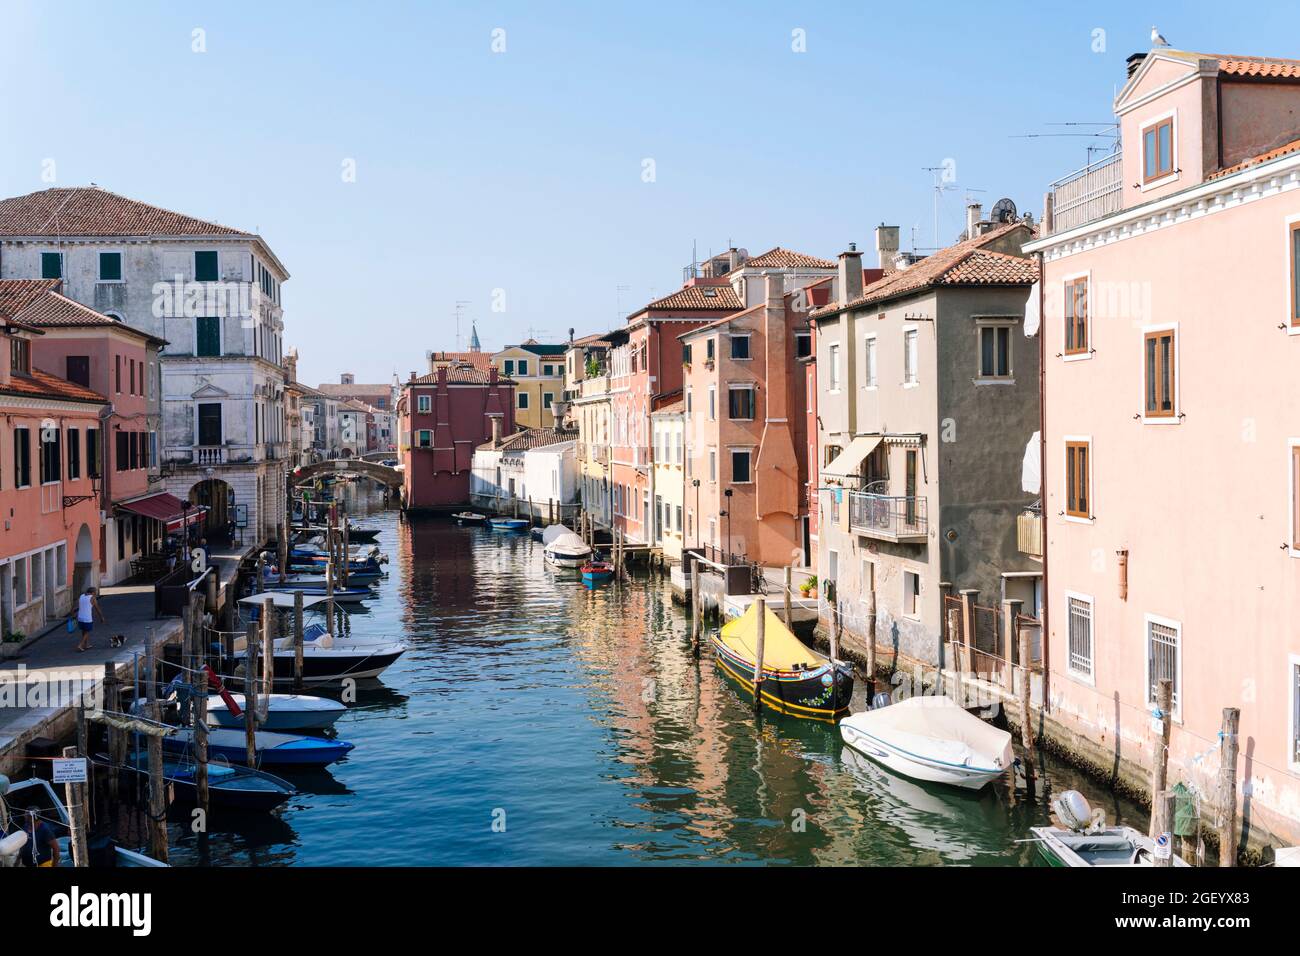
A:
1162,824
74,794
113,705
1227,797
697,603
200,708
282,544
347,549
789,578
1160,756
157,791
297,640
760,638
270,620
250,694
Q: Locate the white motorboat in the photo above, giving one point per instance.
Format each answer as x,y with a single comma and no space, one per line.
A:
1086,841
326,659
284,712
566,550
931,738
40,797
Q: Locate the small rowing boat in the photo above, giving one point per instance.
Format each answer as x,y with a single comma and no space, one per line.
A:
469,517
931,738
284,712
508,524
273,749
596,572
796,679
1085,841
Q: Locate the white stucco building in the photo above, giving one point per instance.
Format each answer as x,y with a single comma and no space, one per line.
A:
213,293
537,466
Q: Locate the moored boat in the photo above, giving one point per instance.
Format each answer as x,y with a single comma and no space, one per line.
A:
796,679
931,738
567,550
284,712
232,785
273,749
469,517
508,524
596,572
39,796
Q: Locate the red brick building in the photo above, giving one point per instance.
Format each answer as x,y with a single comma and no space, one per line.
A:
443,417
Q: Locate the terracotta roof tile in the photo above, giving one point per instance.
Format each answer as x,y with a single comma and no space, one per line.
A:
713,297
779,258
1260,67
1272,154
38,304
91,211
44,385
461,374
956,265
481,360
531,438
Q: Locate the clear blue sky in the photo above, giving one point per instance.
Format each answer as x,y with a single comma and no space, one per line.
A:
522,170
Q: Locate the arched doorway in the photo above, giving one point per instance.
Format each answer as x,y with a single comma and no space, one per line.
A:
219,498
83,561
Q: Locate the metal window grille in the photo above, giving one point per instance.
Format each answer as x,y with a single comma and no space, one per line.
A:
1080,636
1162,658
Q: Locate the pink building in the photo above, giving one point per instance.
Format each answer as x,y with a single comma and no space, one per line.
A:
120,362
49,495
746,431
444,416
1171,462
648,367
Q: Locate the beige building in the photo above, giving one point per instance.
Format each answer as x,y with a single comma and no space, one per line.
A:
927,395
668,434
538,372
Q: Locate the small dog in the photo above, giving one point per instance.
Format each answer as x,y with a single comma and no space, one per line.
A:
117,640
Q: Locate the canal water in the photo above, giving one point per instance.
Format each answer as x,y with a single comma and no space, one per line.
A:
534,722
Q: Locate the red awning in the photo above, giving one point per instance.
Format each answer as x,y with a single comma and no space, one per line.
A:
166,508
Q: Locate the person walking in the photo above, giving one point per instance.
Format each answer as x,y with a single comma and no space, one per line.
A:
87,608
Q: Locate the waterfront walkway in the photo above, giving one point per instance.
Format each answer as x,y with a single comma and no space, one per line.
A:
49,672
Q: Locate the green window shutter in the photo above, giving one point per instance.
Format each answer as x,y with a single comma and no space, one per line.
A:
51,265
205,267
209,335
110,266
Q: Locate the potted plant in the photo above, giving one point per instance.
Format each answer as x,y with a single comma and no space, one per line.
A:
11,643
809,586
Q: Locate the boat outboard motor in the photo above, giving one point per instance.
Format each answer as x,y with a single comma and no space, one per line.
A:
881,700
1073,810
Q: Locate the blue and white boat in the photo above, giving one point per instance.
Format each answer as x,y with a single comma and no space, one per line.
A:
273,749
508,524
284,712
231,786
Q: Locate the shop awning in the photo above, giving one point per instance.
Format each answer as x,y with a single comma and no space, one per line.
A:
848,461
166,508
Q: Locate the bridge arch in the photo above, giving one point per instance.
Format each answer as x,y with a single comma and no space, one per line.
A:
348,466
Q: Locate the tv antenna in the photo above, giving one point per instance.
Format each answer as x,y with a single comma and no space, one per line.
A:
1107,132
618,299
461,306
940,187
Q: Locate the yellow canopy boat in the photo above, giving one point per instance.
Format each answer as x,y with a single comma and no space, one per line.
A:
796,679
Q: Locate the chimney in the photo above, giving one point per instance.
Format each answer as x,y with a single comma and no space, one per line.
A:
974,212
347,378
849,278
5,370
734,259
1134,62
887,246
496,431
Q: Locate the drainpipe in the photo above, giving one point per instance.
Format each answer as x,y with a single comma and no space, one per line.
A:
1042,473
105,481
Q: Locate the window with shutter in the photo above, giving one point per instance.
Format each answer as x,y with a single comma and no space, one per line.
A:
208,328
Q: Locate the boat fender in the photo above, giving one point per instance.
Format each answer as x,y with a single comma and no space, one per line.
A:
12,845
214,683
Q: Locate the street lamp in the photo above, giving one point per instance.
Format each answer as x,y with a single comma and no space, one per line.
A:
696,483
727,514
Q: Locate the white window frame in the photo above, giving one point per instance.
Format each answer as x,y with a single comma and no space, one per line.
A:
1293,718
749,346
833,353
548,398
423,404
521,365
870,361
713,403
914,615
1065,480
866,573
713,464
121,258
63,261
419,438
521,401
1076,675
832,568
1173,174
911,356
992,323
753,401
732,451
1287,289
1179,690
1092,325
1291,445
1176,417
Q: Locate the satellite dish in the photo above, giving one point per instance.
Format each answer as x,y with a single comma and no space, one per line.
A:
1004,210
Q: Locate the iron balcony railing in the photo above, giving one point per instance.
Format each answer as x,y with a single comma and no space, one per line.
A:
1085,195
898,518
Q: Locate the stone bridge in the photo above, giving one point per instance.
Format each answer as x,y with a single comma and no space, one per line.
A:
348,466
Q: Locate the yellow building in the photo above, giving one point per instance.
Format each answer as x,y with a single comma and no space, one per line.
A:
538,373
